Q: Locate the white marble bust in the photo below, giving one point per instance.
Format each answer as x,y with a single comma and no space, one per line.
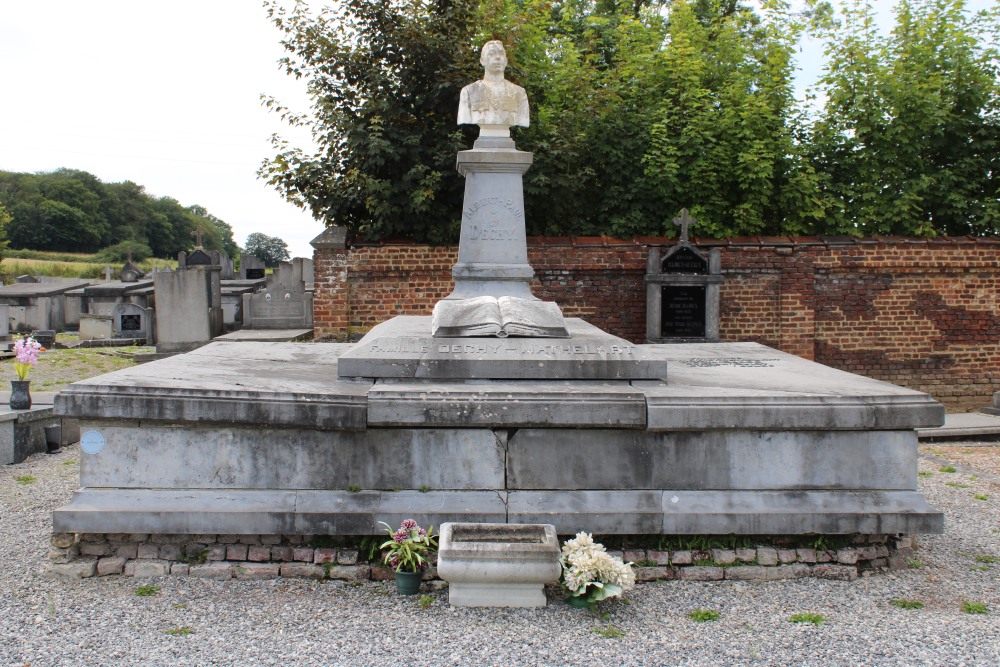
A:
494,104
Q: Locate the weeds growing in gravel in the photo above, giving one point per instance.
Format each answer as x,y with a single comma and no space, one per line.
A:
426,601
180,632
807,617
148,590
703,615
914,564
947,469
925,473
970,607
981,496
25,479
957,485
904,603
982,558
608,632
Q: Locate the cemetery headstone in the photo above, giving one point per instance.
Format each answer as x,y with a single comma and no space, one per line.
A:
188,308
682,292
130,321
251,267
284,302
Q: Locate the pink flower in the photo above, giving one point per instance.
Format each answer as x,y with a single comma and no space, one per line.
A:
26,354
408,524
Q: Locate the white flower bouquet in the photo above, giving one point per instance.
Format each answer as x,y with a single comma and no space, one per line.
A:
590,574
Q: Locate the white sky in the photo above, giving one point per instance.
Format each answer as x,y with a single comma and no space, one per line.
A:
166,94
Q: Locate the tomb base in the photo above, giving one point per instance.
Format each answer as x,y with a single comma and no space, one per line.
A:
276,438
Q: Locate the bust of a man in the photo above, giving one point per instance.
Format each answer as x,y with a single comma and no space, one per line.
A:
494,104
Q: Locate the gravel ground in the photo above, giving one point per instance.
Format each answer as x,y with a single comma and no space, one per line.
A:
101,621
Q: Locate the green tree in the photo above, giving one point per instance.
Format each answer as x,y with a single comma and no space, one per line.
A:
639,108
384,77
909,139
5,218
269,249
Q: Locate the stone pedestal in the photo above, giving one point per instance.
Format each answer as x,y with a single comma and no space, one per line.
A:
493,251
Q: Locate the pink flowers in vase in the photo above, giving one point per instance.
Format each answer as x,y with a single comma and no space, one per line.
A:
26,354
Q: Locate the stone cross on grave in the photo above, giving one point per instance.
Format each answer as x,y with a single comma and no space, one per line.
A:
684,222
107,273
197,236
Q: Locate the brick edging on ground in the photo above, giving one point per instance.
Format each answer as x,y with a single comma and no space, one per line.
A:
247,557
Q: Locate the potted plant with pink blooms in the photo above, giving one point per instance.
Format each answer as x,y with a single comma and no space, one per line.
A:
408,554
26,351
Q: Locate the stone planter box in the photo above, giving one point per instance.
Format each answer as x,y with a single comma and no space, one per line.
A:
497,564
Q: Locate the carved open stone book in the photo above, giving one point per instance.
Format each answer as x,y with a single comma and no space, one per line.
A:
500,317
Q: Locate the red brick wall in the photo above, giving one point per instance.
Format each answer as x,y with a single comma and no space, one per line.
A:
923,314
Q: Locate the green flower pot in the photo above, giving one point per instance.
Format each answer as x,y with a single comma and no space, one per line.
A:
408,583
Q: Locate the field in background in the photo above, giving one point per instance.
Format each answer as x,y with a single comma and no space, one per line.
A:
66,265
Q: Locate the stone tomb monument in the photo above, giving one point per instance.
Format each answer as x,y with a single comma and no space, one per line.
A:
682,292
588,432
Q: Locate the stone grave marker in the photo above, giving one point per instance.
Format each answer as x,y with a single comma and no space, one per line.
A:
251,267
130,321
682,292
284,302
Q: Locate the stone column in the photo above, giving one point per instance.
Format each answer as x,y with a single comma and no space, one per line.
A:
493,251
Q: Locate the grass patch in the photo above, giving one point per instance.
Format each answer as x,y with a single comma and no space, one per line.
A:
57,369
982,558
947,469
182,631
925,473
807,617
703,615
979,568
25,479
914,564
608,632
424,489
957,485
179,605
904,603
970,607
147,591
981,496
354,489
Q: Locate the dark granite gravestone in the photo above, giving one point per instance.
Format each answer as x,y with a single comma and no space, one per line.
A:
682,292
198,257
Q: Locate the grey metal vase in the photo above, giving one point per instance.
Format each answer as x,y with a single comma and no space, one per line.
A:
20,394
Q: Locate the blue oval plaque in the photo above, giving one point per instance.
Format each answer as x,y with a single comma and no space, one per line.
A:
92,442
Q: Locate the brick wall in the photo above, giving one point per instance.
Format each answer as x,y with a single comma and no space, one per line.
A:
923,314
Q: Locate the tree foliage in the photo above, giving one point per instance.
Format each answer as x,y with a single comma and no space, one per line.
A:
909,139
642,107
71,210
269,249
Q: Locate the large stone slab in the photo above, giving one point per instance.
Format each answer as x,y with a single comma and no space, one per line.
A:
270,512
278,384
750,386
720,512
241,457
716,459
506,404
404,348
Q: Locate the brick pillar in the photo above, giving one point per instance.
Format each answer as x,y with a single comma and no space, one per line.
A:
331,290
